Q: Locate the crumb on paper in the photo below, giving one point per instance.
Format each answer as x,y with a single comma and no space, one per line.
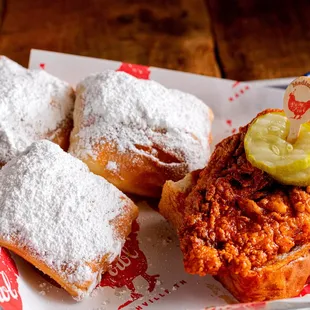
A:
94,293
119,293
103,305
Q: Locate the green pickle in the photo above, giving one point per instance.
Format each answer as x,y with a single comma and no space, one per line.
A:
267,149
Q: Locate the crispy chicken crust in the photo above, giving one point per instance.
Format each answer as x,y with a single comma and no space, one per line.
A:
237,218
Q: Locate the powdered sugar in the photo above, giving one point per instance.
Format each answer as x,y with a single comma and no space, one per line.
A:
112,166
32,104
51,203
117,107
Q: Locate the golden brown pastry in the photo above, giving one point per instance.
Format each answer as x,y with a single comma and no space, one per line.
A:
33,105
137,133
68,222
237,223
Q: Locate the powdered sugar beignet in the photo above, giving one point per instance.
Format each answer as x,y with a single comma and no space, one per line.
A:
137,133
33,105
68,222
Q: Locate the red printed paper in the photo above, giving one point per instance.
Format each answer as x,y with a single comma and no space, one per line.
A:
9,295
131,264
150,265
139,71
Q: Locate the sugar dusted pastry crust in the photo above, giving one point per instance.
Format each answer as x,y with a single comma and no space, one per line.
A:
66,221
33,105
138,134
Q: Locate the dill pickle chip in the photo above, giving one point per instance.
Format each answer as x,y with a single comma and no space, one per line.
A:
267,149
297,178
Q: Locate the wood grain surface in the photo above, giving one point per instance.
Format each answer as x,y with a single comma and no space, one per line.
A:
240,39
1,12
174,34
262,39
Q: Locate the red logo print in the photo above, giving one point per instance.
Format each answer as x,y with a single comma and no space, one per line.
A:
42,66
131,264
9,296
139,71
229,123
239,89
305,291
299,108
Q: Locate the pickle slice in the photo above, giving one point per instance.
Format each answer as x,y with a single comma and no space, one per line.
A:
267,149
297,178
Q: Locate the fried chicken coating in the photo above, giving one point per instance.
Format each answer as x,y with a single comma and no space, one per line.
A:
238,218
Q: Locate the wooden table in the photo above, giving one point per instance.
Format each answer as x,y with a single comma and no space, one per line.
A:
236,39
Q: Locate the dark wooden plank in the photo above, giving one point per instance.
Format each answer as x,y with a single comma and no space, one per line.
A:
1,12
173,34
261,38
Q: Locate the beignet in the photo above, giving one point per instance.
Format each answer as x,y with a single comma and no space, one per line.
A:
33,105
68,222
137,133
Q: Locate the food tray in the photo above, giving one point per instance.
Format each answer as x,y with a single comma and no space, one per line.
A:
150,273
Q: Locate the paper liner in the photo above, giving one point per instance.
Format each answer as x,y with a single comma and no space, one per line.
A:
150,273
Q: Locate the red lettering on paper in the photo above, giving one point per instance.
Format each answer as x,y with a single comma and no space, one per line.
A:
9,295
139,71
131,264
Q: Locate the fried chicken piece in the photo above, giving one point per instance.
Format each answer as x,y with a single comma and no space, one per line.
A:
237,223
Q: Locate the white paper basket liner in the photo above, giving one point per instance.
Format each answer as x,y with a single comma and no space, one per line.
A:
151,263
